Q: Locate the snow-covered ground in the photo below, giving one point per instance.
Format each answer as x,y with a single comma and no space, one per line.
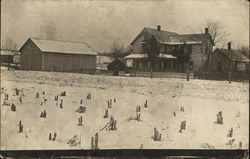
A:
201,99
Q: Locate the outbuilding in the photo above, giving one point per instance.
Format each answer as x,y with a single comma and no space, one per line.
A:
58,56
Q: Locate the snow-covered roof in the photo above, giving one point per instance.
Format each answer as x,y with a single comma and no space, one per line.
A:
66,47
6,52
180,43
140,56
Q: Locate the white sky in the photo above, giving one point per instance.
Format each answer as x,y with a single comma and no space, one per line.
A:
100,23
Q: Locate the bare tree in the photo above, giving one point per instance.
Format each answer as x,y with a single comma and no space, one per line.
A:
116,50
244,50
152,52
217,31
9,45
218,34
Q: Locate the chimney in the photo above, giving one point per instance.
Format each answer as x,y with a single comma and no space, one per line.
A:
158,28
206,30
229,45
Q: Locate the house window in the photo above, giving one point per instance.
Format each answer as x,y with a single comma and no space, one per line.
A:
145,47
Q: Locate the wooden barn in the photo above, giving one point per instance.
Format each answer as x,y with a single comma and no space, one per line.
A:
59,56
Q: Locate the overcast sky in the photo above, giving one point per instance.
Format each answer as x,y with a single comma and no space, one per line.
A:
100,23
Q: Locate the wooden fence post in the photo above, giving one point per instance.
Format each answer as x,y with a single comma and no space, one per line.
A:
92,143
96,141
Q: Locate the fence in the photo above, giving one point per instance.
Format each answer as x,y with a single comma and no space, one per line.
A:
163,75
148,74
235,76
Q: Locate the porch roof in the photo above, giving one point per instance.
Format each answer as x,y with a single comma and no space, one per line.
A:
141,56
182,43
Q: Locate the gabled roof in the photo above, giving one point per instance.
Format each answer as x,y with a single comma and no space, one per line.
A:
67,47
236,55
162,35
190,38
166,37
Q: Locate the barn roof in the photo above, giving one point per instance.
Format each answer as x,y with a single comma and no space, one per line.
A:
66,47
236,55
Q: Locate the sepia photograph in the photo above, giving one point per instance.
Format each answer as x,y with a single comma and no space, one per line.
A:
124,79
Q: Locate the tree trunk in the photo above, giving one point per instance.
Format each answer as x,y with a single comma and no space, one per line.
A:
151,69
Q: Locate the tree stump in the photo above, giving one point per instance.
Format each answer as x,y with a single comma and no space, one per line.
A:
92,143
230,133
138,109
61,104
20,99
44,113
109,104
50,136
220,118
146,104
183,126
138,116
81,109
157,135
20,128
63,93
88,96
80,121
41,115
54,138
6,96
17,91
112,123
182,109
13,107
106,113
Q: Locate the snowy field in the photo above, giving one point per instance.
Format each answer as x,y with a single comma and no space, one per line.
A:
201,99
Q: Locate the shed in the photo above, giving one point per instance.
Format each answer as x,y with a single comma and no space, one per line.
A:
7,56
116,65
221,60
59,56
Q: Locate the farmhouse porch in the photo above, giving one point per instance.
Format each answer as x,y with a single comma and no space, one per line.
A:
163,63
